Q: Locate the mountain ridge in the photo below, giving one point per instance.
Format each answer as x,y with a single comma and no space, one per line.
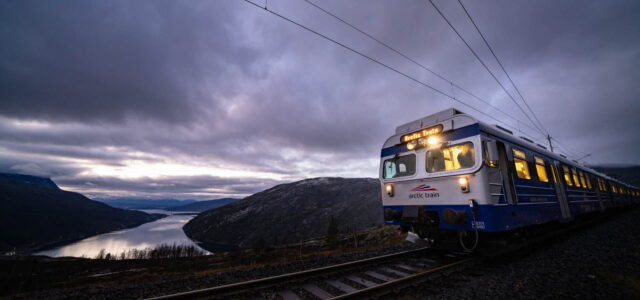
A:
291,212
35,216
36,180
201,206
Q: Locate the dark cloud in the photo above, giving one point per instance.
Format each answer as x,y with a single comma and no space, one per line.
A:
183,187
224,85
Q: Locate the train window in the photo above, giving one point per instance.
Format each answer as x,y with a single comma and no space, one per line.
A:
542,171
600,185
520,162
399,166
588,179
461,156
567,175
576,179
583,180
613,188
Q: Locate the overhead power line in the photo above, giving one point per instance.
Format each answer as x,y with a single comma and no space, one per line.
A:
413,61
502,67
485,66
373,60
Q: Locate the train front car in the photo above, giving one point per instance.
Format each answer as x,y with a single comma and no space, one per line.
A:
433,183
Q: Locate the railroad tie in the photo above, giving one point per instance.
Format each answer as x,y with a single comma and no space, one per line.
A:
392,271
361,280
317,291
288,295
379,276
341,286
408,268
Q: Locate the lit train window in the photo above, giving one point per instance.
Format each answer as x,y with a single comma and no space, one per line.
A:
583,181
567,175
522,168
399,166
613,188
586,177
599,185
461,156
542,172
576,179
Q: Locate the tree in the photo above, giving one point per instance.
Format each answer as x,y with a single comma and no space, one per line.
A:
332,230
260,245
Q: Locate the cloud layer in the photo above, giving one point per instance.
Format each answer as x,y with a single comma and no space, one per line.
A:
205,99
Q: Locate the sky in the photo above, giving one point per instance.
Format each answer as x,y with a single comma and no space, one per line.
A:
209,99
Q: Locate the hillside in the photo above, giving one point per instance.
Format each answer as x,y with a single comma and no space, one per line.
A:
201,206
629,174
291,212
41,181
34,216
132,203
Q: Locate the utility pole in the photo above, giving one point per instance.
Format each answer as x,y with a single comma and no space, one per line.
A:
550,144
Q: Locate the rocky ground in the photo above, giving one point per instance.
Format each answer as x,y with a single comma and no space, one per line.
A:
602,262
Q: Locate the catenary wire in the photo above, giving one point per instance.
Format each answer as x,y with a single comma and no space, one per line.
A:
374,60
485,66
502,67
417,63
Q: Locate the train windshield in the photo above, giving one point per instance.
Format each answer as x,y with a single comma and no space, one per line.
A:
399,166
461,156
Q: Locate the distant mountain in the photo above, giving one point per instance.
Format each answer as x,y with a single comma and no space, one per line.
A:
201,206
36,215
291,212
41,181
628,174
130,203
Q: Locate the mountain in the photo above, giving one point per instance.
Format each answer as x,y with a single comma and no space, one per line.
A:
41,181
132,203
291,212
628,174
201,206
34,215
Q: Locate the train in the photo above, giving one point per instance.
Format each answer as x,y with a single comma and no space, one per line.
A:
449,175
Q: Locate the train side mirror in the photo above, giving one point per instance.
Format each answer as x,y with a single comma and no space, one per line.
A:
492,154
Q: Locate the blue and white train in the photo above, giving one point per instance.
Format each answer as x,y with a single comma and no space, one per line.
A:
450,173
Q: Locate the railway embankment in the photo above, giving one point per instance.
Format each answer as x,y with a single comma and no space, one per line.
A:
601,262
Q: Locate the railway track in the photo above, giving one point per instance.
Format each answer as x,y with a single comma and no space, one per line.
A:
377,276
342,281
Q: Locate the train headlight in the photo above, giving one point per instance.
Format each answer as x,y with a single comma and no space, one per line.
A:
412,145
432,140
389,188
464,184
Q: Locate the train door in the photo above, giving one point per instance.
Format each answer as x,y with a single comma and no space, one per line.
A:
562,196
509,190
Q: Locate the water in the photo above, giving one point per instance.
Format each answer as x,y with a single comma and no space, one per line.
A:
167,230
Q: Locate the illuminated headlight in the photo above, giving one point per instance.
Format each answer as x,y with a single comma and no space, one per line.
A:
389,188
464,184
432,140
412,145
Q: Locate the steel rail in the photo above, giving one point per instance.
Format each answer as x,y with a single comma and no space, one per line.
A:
404,280
240,287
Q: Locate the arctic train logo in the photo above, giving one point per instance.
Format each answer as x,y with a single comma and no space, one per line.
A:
423,188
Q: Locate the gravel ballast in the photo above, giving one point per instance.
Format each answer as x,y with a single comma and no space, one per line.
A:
601,262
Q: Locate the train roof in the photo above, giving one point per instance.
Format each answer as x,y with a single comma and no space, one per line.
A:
452,118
